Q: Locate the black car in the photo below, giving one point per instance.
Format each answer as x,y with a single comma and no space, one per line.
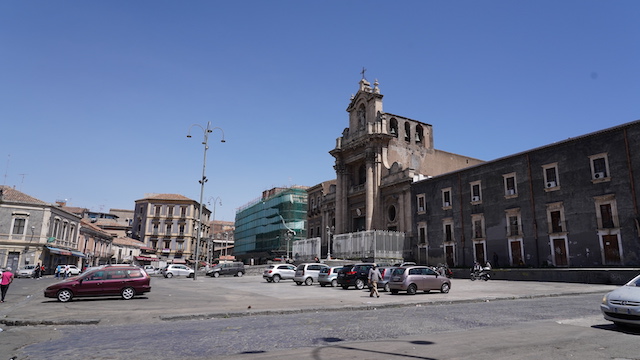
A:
354,275
233,268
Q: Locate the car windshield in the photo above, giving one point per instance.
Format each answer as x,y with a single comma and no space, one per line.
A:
634,282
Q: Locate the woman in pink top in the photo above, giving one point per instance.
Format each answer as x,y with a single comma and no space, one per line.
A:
7,278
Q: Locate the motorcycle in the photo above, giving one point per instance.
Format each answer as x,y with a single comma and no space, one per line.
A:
483,274
444,270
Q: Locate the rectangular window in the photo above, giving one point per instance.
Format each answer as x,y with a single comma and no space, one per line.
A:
510,184
158,207
607,216
421,203
170,211
599,167
514,226
19,226
556,222
422,235
167,244
476,192
446,197
169,229
183,211
551,180
477,223
448,232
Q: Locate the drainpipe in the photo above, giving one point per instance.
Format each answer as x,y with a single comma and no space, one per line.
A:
533,211
631,181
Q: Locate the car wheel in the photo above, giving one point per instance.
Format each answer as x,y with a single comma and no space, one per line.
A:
240,273
387,288
308,281
411,290
216,274
65,295
276,278
345,287
359,284
298,282
473,278
168,275
191,275
394,291
269,280
128,293
445,288
334,283
323,284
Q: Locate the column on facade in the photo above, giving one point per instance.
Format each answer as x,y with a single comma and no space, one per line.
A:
341,198
371,188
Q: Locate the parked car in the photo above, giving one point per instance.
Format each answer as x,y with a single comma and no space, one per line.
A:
329,276
123,281
414,278
622,305
177,270
354,275
232,268
26,272
277,272
73,270
386,277
308,273
150,269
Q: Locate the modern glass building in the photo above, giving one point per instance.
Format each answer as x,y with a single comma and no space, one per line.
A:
267,227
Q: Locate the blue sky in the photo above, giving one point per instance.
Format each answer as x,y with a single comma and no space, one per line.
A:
97,97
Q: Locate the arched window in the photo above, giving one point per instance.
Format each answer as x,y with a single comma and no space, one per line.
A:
362,117
393,127
419,134
407,131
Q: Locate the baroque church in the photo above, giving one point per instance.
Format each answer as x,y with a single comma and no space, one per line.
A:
377,158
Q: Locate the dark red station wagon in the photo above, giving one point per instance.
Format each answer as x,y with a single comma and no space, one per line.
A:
124,281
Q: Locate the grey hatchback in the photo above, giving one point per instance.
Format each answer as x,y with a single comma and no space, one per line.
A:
414,278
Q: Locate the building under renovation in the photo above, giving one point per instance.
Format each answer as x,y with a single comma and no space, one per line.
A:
267,226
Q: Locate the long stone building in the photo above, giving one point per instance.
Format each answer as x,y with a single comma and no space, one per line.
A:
569,204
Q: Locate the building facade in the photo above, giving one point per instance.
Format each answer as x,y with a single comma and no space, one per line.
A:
167,224
220,246
376,159
321,218
569,204
267,227
35,232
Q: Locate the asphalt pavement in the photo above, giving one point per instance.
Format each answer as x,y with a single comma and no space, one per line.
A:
179,299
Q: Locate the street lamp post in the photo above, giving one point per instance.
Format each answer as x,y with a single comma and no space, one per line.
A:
330,231
203,180
216,200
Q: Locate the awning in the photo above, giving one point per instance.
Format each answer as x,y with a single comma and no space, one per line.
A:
77,254
58,251
145,258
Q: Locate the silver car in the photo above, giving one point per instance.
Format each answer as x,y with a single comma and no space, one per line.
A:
329,276
177,270
414,278
622,305
308,273
277,272
27,271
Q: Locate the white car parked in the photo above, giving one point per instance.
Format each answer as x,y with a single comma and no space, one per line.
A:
622,305
177,270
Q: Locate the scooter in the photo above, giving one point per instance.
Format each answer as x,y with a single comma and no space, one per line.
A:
480,274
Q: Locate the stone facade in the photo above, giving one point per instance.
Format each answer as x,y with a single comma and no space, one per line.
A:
569,204
167,224
376,160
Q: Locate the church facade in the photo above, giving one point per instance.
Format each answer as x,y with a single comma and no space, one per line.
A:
377,158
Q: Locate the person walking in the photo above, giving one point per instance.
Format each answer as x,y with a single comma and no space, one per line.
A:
374,277
7,278
58,270
36,271
66,271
